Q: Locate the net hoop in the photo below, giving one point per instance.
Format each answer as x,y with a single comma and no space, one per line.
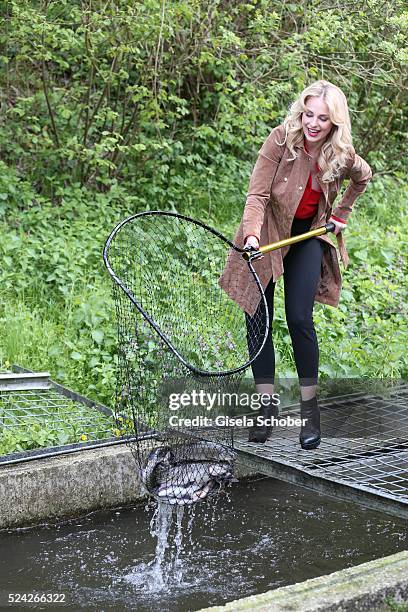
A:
157,329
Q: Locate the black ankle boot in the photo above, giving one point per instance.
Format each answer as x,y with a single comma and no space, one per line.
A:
260,433
310,433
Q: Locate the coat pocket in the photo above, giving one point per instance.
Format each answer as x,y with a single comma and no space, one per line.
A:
330,277
335,266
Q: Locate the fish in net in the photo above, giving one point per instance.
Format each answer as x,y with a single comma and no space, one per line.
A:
183,348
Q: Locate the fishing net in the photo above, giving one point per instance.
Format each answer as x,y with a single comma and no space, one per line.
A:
183,346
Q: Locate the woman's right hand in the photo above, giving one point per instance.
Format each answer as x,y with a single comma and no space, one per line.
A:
251,241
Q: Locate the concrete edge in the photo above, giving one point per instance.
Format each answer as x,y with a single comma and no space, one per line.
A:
67,486
363,587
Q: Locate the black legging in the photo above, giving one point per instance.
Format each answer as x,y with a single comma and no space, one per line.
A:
302,266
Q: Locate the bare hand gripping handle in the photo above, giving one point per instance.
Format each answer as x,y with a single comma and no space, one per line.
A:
319,231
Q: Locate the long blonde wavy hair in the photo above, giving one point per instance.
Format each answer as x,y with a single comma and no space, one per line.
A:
338,145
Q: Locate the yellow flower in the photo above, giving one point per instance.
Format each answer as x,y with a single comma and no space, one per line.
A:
116,432
84,437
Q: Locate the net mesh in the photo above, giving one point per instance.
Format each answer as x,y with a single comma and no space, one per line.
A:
181,340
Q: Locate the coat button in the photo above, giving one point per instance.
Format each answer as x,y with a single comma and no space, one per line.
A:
300,187
285,179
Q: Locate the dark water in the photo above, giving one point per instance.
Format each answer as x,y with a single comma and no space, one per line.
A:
268,534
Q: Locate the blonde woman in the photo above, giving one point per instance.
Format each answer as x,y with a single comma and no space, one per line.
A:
295,181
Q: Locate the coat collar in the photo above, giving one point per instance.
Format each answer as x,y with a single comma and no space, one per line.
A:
306,150
302,145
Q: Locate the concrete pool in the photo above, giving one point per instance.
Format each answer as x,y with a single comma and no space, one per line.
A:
263,535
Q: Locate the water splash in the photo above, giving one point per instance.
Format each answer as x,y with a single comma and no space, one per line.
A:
191,510
178,541
166,570
160,526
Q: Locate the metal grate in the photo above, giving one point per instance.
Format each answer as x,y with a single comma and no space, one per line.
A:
47,417
48,408
364,444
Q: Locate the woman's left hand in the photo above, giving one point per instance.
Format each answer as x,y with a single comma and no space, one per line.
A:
339,226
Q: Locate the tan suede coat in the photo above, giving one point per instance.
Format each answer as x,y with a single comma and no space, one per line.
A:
275,190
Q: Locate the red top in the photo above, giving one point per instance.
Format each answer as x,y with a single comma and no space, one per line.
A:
308,204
